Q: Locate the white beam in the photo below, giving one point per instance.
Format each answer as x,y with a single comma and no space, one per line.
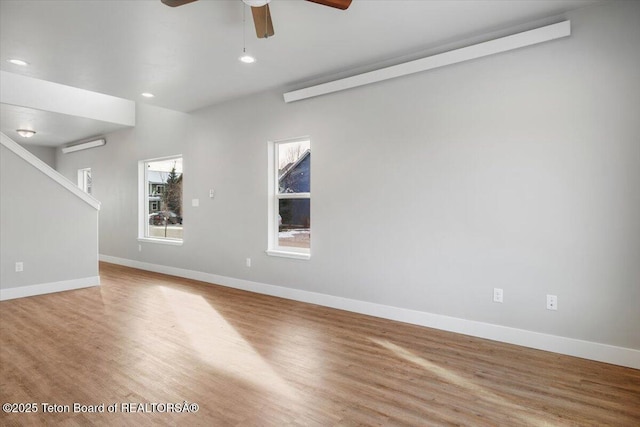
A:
23,91
503,44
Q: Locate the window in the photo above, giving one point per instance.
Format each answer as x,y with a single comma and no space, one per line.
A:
84,180
290,198
160,205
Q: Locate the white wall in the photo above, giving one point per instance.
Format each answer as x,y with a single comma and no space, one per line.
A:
517,171
49,229
114,174
46,154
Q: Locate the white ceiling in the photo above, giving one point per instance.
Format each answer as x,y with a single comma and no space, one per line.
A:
188,56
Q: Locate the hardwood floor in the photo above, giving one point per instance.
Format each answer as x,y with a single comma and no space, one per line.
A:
248,360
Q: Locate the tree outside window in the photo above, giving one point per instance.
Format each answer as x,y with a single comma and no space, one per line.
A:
163,199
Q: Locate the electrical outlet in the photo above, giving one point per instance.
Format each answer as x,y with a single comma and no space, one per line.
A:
19,266
497,295
552,302
248,262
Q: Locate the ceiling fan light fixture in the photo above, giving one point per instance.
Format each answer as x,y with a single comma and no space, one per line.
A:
26,133
245,58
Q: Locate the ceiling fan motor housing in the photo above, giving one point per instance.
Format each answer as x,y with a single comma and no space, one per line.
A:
256,3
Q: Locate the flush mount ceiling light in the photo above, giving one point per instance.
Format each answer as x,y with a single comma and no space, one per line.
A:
26,133
84,145
147,95
18,62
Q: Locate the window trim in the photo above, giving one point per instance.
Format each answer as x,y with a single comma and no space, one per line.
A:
83,182
273,248
143,203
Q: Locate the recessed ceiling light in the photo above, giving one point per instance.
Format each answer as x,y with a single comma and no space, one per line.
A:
26,133
147,95
247,59
18,62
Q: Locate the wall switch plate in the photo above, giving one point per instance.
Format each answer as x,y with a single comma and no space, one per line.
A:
139,248
552,302
497,295
248,262
195,202
19,267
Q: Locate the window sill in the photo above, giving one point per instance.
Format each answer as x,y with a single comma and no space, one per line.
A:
160,241
286,254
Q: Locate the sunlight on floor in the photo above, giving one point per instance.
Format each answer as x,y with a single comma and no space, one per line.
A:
220,345
522,413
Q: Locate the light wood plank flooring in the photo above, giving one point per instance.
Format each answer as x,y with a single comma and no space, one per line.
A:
254,360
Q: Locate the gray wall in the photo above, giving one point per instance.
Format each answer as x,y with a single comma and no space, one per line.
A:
114,176
517,171
46,154
49,229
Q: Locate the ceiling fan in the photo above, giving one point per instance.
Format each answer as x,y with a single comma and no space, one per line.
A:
262,15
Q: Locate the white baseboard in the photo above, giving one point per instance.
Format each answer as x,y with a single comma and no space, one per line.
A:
47,288
562,345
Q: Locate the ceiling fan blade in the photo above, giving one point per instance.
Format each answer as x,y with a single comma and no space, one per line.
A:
174,3
262,21
338,4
